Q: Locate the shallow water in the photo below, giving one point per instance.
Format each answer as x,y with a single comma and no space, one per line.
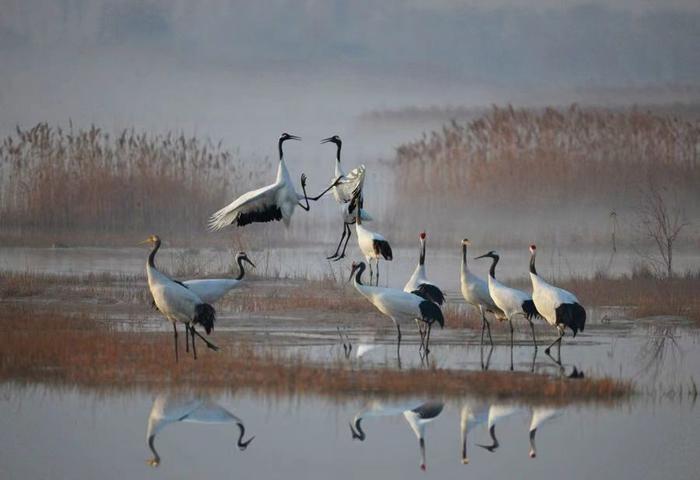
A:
50,433
443,265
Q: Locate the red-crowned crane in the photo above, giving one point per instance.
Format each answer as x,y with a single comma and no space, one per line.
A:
271,203
420,285
177,302
397,304
372,245
511,301
475,291
559,307
346,193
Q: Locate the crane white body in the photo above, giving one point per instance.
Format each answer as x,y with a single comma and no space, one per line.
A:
178,303
475,291
373,247
396,304
272,202
559,307
510,301
169,409
211,290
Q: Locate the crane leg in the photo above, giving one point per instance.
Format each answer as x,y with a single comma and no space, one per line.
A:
339,243
369,262
347,239
558,340
377,284
194,349
175,338
207,342
510,322
187,338
427,341
532,327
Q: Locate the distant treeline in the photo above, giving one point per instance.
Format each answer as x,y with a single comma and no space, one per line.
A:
55,180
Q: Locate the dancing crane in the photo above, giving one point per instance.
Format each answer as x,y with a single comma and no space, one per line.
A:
346,193
271,203
475,291
560,308
177,302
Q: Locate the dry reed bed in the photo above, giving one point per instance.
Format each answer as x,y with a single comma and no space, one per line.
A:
538,157
76,350
647,294
60,180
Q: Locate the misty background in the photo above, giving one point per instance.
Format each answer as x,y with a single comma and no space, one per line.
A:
243,72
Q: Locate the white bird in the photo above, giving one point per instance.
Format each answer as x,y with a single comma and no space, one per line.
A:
475,291
397,304
498,413
210,290
177,302
418,417
511,301
372,245
346,193
540,416
559,307
419,283
271,203
168,409
472,415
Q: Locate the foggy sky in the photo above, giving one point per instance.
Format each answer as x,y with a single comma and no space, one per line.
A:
245,71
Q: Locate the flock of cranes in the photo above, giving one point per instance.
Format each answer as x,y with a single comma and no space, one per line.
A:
190,302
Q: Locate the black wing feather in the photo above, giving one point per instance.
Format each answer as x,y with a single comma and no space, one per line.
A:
269,214
573,315
430,292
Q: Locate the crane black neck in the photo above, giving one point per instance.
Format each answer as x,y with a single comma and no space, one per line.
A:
492,271
464,254
241,270
337,154
421,256
533,270
279,146
152,256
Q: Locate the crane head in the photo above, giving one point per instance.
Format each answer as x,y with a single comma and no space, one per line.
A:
466,242
286,136
491,254
533,248
334,139
152,239
422,235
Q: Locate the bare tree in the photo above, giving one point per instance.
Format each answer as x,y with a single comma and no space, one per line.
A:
661,222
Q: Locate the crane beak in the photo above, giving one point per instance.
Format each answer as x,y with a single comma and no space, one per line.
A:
294,137
326,140
250,261
481,256
148,240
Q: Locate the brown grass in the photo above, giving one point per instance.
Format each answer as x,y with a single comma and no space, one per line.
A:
59,181
75,350
646,293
